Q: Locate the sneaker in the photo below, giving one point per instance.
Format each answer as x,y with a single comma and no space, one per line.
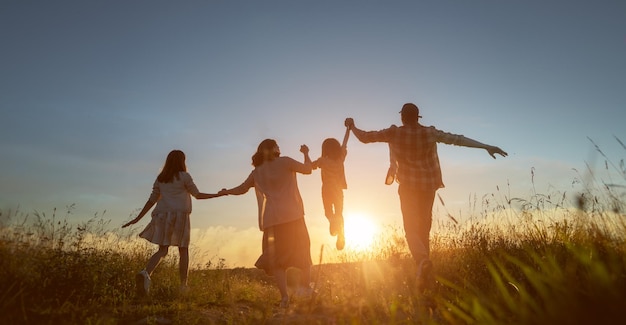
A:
424,273
142,280
341,241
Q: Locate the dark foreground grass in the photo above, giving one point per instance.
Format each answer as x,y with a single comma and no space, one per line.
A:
561,272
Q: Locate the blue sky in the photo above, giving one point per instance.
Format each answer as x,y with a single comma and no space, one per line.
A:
93,95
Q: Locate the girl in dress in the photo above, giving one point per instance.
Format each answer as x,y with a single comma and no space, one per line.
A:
170,224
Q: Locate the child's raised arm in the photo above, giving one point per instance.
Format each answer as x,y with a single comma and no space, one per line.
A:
344,144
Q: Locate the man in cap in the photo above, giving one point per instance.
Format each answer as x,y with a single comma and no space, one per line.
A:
414,147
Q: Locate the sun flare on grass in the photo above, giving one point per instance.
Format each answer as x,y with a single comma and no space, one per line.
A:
360,231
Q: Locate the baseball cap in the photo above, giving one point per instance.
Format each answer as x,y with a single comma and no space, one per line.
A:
410,108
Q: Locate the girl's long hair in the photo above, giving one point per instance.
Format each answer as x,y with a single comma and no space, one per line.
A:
331,148
174,164
259,156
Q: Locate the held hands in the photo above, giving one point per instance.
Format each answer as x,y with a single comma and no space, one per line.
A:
223,192
349,123
492,150
203,196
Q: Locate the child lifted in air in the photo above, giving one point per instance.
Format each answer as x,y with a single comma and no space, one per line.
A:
333,184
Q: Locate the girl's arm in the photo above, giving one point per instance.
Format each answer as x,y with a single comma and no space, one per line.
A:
241,189
202,196
149,204
193,189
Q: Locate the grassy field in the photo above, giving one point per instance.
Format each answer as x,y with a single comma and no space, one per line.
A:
515,261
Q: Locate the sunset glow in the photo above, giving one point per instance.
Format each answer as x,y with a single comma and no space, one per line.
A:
360,231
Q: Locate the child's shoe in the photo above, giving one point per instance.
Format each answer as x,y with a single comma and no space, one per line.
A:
142,280
341,241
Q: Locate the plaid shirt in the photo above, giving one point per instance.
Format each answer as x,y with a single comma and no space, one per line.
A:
415,149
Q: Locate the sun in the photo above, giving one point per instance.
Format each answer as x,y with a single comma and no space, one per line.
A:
360,231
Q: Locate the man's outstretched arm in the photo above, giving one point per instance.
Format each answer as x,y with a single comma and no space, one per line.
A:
492,150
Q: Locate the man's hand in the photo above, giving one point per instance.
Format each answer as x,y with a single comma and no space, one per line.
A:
304,149
492,150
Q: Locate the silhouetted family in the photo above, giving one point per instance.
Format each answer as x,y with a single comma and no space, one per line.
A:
414,165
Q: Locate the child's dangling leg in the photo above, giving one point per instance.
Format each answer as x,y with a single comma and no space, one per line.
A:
341,239
334,224
329,212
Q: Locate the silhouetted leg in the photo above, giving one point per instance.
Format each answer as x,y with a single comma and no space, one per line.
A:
281,281
183,265
341,240
416,209
329,212
156,258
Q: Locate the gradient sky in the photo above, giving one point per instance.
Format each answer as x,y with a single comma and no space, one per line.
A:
93,95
